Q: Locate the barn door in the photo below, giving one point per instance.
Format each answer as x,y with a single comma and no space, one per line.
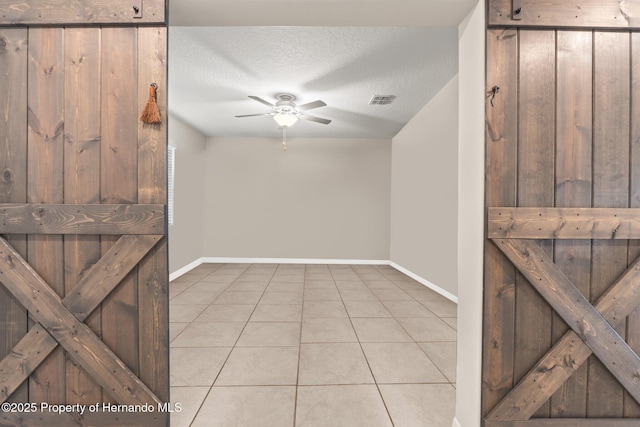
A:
562,268
83,253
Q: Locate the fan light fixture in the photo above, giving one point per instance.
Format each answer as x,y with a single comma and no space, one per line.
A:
285,119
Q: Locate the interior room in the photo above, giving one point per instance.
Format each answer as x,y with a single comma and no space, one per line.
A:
372,219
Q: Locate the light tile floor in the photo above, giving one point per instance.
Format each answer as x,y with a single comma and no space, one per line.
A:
285,345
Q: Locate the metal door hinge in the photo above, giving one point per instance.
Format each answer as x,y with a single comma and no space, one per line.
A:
516,9
137,8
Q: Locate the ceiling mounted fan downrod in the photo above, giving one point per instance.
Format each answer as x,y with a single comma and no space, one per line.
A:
284,138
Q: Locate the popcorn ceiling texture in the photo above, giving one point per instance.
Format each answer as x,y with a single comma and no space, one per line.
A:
212,70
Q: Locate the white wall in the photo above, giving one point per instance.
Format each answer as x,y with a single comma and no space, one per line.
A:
470,217
424,188
322,198
185,235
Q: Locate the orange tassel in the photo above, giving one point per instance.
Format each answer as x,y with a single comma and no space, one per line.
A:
151,113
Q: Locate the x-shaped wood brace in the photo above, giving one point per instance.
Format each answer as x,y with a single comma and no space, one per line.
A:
61,321
591,331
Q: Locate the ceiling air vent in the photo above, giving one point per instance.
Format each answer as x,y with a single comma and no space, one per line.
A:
382,99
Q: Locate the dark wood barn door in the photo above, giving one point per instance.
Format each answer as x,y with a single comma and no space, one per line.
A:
83,253
562,267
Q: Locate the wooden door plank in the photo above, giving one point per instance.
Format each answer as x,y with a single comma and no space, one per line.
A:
566,422
153,280
45,178
94,286
563,14
81,182
81,343
499,275
535,184
611,129
631,407
563,223
576,311
13,166
115,219
118,178
85,12
568,354
573,188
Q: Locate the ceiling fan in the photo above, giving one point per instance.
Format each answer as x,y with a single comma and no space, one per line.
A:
285,112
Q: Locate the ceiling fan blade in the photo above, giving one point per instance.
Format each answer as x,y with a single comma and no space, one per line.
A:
253,115
311,105
315,119
262,101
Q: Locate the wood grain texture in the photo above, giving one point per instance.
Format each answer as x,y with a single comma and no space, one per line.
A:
81,182
568,354
115,219
576,311
535,184
98,419
84,12
565,422
501,161
45,182
575,14
153,283
13,166
564,223
118,178
574,99
611,132
81,343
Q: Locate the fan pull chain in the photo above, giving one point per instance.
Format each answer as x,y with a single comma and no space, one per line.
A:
284,138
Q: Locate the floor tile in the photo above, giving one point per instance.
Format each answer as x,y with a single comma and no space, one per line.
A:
175,328
270,334
180,286
248,286
401,363
428,329
319,330
277,313
451,321
380,284
379,330
190,399
442,308
248,406
209,334
226,313
185,313
357,295
318,276
341,406
287,278
285,286
333,364
351,284
321,295
196,366
260,366
366,309
272,297
426,294
238,298
443,354
420,405
191,297
407,309
392,295
324,309
209,287
320,284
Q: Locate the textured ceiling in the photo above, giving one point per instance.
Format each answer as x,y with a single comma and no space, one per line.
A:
214,68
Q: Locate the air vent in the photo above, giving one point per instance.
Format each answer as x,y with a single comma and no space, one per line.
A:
382,99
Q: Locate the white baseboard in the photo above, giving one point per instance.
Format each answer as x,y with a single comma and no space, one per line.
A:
231,260
187,268
455,423
448,295
223,260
